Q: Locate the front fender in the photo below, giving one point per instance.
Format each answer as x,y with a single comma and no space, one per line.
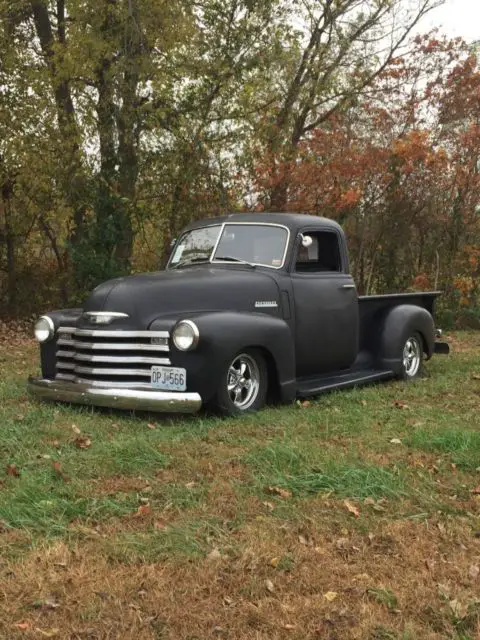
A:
223,334
398,324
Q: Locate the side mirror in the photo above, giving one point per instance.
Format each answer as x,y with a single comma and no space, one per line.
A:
307,241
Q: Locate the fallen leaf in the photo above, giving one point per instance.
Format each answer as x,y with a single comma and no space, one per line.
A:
274,562
369,501
57,468
330,595
269,505
305,404
75,429
48,603
289,627
23,626
150,425
160,525
302,540
400,405
459,609
352,508
278,491
142,511
82,442
190,485
362,576
444,590
48,633
474,571
342,543
214,554
269,586
476,491
13,471
395,441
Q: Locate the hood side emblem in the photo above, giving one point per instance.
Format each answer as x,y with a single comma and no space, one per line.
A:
103,317
262,304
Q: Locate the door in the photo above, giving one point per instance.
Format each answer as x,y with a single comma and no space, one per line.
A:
326,304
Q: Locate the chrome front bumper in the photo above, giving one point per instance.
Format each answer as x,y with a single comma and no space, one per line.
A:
142,400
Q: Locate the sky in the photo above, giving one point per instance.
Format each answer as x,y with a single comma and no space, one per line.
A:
456,18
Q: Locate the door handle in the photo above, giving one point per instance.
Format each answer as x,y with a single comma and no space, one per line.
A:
347,286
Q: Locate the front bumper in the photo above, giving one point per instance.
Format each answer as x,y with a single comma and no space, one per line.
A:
115,398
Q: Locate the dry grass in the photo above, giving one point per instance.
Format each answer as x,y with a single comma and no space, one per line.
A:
299,523
239,593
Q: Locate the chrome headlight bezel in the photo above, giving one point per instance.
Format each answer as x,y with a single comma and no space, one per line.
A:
190,338
44,329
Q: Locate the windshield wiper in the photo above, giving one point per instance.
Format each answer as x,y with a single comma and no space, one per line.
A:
184,263
233,259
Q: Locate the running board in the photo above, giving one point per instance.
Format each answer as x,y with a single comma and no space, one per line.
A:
312,386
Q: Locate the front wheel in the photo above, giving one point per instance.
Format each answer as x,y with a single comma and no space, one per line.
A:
412,357
244,384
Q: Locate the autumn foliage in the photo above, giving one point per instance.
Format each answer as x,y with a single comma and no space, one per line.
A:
400,171
120,122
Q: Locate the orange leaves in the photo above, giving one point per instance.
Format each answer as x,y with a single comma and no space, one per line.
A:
350,198
13,471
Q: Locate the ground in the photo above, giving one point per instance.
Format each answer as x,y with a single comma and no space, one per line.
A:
355,515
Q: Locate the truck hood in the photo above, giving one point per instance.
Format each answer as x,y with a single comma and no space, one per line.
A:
146,297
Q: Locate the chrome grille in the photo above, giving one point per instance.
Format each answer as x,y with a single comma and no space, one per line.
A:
109,358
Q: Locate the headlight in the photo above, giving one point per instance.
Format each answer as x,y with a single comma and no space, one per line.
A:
44,329
186,335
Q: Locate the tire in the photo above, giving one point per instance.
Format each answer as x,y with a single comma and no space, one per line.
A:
412,357
244,385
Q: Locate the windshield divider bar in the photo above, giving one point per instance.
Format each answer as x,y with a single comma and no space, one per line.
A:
217,242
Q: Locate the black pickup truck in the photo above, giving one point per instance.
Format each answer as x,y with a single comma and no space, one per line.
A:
249,307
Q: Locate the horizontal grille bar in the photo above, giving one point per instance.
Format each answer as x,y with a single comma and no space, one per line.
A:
102,359
83,357
116,346
99,371
98,333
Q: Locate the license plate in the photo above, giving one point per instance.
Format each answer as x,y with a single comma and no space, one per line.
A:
169,378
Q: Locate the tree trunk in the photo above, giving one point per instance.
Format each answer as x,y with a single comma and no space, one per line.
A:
74,179
5,206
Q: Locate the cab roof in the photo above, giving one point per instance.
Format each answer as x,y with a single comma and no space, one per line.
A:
293,221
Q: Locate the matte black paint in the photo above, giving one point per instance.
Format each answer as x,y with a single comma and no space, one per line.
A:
319,330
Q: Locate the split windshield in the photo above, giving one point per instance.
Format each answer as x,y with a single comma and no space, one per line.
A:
255,244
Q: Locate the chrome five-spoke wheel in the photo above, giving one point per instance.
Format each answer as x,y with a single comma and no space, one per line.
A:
243,381
412,356
244,384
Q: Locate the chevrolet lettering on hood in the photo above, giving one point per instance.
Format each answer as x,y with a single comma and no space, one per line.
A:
250,308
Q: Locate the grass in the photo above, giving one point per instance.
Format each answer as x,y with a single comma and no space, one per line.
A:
141,526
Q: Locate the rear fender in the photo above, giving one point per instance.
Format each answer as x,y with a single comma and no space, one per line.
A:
398,324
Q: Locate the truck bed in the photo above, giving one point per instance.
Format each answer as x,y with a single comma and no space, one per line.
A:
365,368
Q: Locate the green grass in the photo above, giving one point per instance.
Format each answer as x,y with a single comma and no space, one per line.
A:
461,446
339,444
402,453
281,465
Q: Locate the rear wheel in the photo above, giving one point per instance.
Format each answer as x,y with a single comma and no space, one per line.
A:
412,357
244,384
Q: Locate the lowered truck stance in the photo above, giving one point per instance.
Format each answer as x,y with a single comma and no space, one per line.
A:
249,307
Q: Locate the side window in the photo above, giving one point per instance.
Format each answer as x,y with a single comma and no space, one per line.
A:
320,255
